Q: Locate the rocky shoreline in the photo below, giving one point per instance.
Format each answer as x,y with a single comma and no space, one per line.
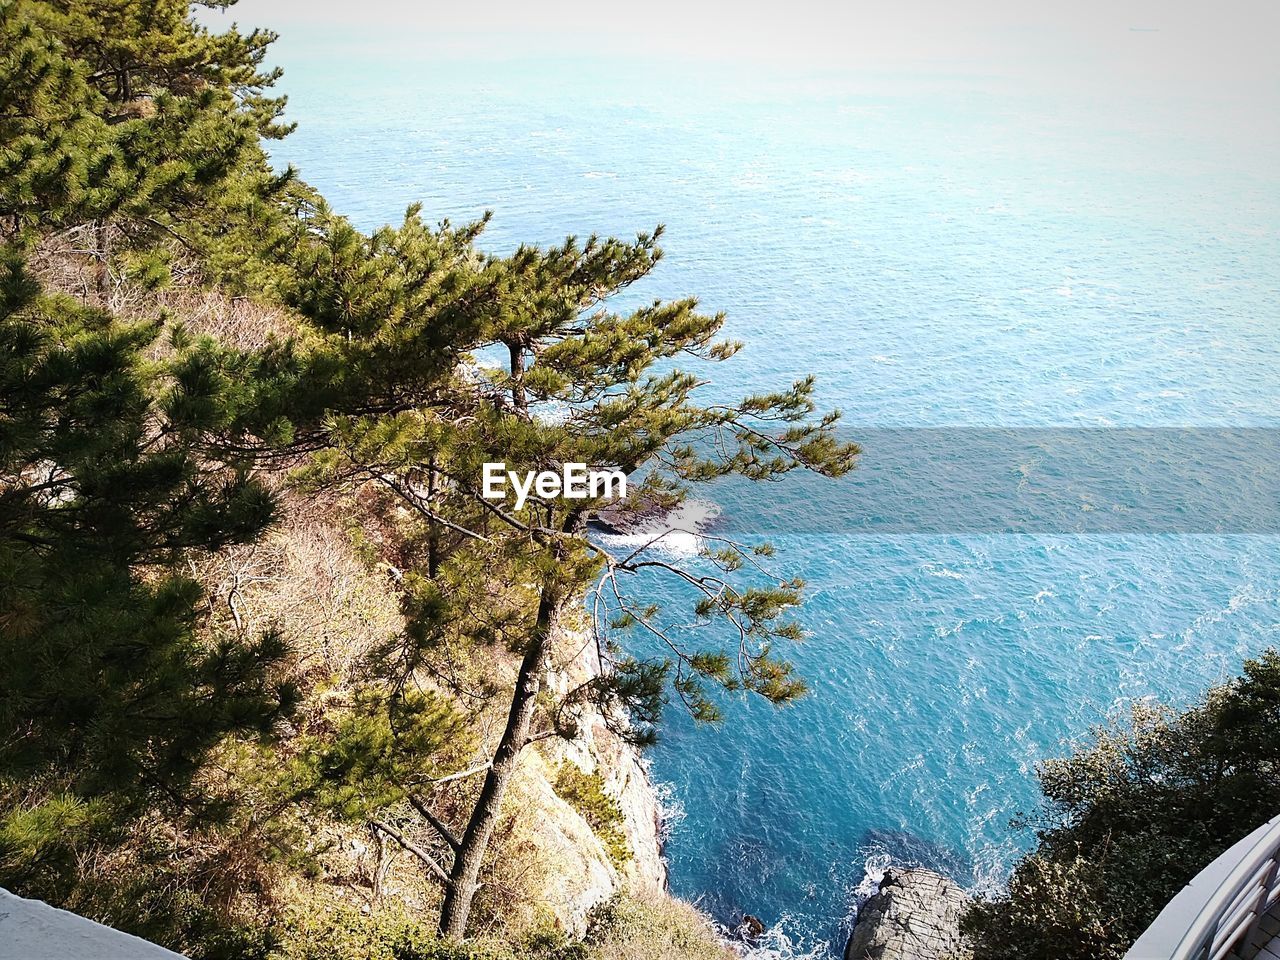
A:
915,915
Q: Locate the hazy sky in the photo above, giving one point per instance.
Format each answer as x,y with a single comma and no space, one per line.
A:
1208,69
1217,43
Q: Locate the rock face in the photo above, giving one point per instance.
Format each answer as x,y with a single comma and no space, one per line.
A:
630,516
915,916
578,874
625,772
581,874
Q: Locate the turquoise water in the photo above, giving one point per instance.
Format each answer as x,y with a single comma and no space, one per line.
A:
942,251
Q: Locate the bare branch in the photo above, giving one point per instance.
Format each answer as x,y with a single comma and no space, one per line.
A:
445,833
478,768
435,869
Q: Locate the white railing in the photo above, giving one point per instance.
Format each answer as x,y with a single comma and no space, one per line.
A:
1219,913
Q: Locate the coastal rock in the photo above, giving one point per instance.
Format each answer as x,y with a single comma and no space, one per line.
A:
578,871
626,777
914,916
751,928
632,516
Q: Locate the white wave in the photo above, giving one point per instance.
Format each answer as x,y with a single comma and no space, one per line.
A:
671,811
1240,600
991,868
679,533
873,870
778,942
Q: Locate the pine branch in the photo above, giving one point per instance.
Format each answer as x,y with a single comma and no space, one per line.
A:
445,833
434,868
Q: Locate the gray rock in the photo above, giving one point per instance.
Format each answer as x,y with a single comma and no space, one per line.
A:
915,916
632,516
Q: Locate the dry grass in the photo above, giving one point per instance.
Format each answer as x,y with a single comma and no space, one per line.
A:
305,579
654,926
235,321
68,263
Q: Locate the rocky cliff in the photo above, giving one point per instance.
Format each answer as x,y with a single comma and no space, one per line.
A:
625,773
586,875
914,916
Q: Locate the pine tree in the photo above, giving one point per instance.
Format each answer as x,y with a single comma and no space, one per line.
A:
129,130
107,693
128,127
415,308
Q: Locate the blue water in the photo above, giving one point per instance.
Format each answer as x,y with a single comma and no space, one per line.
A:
941,251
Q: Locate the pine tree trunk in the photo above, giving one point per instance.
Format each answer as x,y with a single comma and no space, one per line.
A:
102,275
475,842
518,399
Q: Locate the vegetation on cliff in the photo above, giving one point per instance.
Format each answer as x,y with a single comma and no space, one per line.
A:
269,662
1132,815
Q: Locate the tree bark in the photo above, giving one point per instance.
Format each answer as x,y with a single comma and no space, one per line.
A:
461,889
102,274
518,399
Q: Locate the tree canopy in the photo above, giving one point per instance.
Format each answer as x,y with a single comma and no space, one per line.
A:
1132,816
137,448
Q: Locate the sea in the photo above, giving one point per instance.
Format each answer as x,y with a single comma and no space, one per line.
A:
952,252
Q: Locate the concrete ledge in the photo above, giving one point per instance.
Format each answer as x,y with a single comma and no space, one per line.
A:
33,930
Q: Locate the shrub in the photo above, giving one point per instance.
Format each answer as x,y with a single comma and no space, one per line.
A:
345,933
586,793
651,927
1131,816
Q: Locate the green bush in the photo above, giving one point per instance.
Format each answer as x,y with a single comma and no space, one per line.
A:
1132,816
345,933
586,793
651,927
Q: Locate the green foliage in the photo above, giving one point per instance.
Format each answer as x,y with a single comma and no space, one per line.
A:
1132,816
39,840
343,933
378,750
124,109
651,927
125,130
106,489
586,793
337,933
141,875
389,393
